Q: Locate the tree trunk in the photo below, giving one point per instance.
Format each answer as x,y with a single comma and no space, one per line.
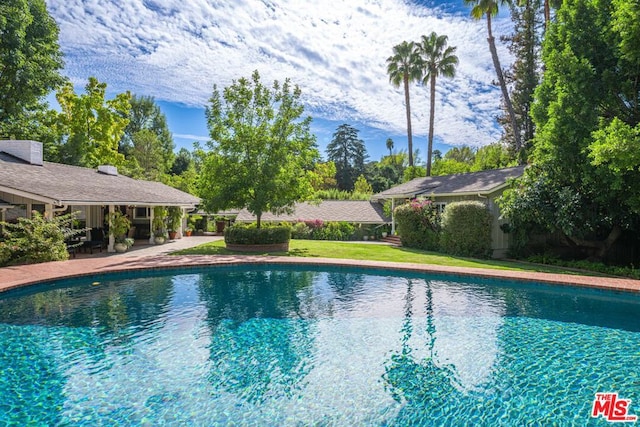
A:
547,14
258,217
601,246
503,85
431,118
409,136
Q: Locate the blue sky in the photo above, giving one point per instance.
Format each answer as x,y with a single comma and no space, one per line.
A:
176,50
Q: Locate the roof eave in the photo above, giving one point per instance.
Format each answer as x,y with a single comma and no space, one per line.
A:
29,195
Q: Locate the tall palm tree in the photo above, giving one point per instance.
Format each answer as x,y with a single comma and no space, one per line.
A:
404,67
437,60
489,8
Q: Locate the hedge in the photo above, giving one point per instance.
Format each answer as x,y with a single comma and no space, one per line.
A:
244,234
466,230
417,224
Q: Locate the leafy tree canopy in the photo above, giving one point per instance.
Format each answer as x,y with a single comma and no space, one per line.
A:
146,114
30,61
261,149
92,126
585,112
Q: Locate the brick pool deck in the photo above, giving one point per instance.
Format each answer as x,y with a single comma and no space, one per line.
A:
157,257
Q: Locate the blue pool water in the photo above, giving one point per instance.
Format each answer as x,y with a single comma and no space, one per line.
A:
302,346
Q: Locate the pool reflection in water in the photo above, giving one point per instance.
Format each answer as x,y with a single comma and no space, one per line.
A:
278,346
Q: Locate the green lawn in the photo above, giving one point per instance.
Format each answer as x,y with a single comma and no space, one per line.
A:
375,252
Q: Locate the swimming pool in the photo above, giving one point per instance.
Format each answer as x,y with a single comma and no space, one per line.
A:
274,345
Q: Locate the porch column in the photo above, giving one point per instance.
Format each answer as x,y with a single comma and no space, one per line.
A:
112,239
48,211
393,217
180,229
151,242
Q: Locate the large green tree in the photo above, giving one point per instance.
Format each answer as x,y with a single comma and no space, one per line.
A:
348,153
524,74
438,59
586,114
146,114
261,148
30,64
488,9
404,67
92,126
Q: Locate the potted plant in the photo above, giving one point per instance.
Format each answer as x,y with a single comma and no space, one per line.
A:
188,231
174,218
159,236
159,228
119,225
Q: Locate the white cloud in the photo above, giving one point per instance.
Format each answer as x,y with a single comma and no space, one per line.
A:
175,50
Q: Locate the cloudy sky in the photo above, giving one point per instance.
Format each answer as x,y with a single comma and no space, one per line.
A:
336,51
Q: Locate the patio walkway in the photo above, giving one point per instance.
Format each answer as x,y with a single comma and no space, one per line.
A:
142,256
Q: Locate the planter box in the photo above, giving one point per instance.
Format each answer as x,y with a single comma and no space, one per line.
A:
274,247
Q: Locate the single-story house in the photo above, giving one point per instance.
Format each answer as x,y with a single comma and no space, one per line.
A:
485,186
29,183
354,211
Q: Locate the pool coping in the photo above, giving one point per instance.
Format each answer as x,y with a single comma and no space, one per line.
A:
26,275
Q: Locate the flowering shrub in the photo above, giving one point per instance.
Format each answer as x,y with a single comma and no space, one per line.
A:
418,224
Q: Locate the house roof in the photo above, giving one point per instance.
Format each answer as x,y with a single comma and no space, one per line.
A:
483,182
73,185
358,211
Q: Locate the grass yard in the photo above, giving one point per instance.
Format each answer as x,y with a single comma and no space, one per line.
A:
378,252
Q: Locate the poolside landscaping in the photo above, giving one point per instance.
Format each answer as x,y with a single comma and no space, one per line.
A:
379,252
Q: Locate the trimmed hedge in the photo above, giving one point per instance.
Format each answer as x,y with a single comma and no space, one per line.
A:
418,224
319,230
466,230
244,234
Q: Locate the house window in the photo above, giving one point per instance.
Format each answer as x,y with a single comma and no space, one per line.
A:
141,213
440,207
38,208
18,211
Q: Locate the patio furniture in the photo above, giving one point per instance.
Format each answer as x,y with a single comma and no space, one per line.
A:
96,240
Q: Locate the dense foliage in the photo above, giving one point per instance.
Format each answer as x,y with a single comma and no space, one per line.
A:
261,150
92,125
418,224
35,240
466,229
319,230
30,64
584,183
250,234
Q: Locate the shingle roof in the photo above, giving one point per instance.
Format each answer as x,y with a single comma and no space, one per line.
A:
464,183
73,185
358,211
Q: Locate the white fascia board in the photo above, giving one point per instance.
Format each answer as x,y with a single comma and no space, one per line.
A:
29,195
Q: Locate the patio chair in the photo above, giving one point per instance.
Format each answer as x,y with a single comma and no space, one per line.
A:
96,240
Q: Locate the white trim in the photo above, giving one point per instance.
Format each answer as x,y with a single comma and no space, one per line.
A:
32,196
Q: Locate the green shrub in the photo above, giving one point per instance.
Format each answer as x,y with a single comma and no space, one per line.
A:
301,230
36,240
318,230
244,234
466,230
418,224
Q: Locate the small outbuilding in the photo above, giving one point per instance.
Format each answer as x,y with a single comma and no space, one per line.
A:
485,186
